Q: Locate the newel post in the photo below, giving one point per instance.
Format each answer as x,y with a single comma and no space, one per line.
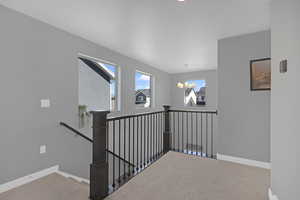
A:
99,166
167,132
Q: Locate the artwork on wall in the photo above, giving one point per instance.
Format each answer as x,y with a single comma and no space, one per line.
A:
260,74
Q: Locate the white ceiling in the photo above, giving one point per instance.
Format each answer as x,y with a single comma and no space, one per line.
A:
166,34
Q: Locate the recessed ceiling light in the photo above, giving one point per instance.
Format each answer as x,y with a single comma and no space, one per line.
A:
181,0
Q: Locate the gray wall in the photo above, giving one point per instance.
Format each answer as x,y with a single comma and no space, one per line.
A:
209,76
39,61
244,115
94,90
285,100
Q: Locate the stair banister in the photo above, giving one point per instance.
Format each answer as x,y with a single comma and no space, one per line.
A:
167,131
99,167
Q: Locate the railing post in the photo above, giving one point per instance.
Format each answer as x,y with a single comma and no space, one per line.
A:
99,167
167,132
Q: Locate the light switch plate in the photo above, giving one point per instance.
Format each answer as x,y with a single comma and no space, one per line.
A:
42,149
45,103
283,66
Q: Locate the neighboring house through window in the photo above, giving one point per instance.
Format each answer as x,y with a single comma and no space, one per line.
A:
143,90
195,93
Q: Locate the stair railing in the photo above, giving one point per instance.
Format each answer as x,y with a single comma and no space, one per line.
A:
140,140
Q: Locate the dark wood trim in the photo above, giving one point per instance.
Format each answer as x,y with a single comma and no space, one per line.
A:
195,111
131,116
251,82
167,132
99,167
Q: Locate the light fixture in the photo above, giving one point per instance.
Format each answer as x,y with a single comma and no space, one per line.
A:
181,0
180,85
185,85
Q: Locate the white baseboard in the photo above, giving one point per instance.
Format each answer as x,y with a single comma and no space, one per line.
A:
271,195
27,179
244,161
79,179
32,177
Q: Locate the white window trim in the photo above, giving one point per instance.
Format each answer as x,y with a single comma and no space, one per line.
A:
198,106
118,78
152,80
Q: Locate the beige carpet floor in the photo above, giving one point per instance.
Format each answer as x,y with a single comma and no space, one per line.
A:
175,176
52,187
178,176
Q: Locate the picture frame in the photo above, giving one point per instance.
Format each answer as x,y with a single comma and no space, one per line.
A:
260,74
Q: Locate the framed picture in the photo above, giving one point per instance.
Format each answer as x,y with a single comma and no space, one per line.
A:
260,74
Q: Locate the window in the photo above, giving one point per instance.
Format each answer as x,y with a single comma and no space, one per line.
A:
111,69
195,93
98,85
143,90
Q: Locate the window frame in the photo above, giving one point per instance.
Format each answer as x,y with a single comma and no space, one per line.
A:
151,89
196,106
117,79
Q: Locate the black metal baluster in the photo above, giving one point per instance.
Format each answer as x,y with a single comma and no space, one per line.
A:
192,129
119,151
206,137
201,135
133,143
153,134
160,135
154,137
129,143
159,129
197,150
212,137
124,154
187,132
137,143
157,136
151,137
182,132
144,141
148,136
141,154
162,131
172,124
155,130
178,146
114,137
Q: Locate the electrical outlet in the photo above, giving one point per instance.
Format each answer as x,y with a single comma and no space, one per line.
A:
42,149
